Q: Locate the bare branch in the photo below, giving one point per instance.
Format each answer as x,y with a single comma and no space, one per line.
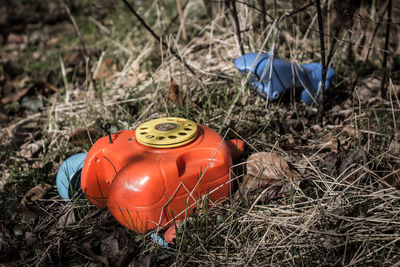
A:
82,42
232,7
386,52
158,39
322,44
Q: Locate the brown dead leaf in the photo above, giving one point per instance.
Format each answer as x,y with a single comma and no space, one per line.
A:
106,69
347,165
174,94
88,247
394,146
351,131
109,247
143,261
85,136
14,97
54,40
269,170
42,85
368,90
66,219
30,150
36,193
74,59
16,38
30,238
332,142
332,240
118,248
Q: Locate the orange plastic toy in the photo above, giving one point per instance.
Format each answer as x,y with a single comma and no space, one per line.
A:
158,173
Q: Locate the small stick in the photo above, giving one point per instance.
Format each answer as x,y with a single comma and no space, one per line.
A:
158,39
263,19
322,44
84,50
386,52
173,20
378,24
178,6
232,8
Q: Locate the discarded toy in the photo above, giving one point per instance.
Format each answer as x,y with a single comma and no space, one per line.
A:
69,174
154,175
284,75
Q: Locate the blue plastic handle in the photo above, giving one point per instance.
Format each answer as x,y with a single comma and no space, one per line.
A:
307,77
159,240
69,175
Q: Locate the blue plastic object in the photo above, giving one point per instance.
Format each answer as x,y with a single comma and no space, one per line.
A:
69,176
159,240
306,77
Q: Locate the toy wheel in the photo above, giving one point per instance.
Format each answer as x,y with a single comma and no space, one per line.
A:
69,176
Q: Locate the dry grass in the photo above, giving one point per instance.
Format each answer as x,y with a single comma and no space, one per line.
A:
337,216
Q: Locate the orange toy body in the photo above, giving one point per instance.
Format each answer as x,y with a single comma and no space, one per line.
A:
146,187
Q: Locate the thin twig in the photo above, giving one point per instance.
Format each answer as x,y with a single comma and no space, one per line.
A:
322,44
349,11
386,52
182,22
232,7
158,39
263,18
378,24
82,42
173,20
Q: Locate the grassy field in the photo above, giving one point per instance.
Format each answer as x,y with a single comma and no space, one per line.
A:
344,209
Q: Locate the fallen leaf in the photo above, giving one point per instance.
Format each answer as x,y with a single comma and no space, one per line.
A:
74,59
36,193
106,69
271,171
118,248
54,40
332,240
394,147
17,39
332,142
12,69
368,89
39,86
174,94
29,151
347,165
88,247
18,229
16,96
42,85
109,247
143,261
351,131
83,136
66,219
30,238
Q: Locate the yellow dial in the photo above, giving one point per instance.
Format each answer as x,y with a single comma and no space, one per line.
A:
166,132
